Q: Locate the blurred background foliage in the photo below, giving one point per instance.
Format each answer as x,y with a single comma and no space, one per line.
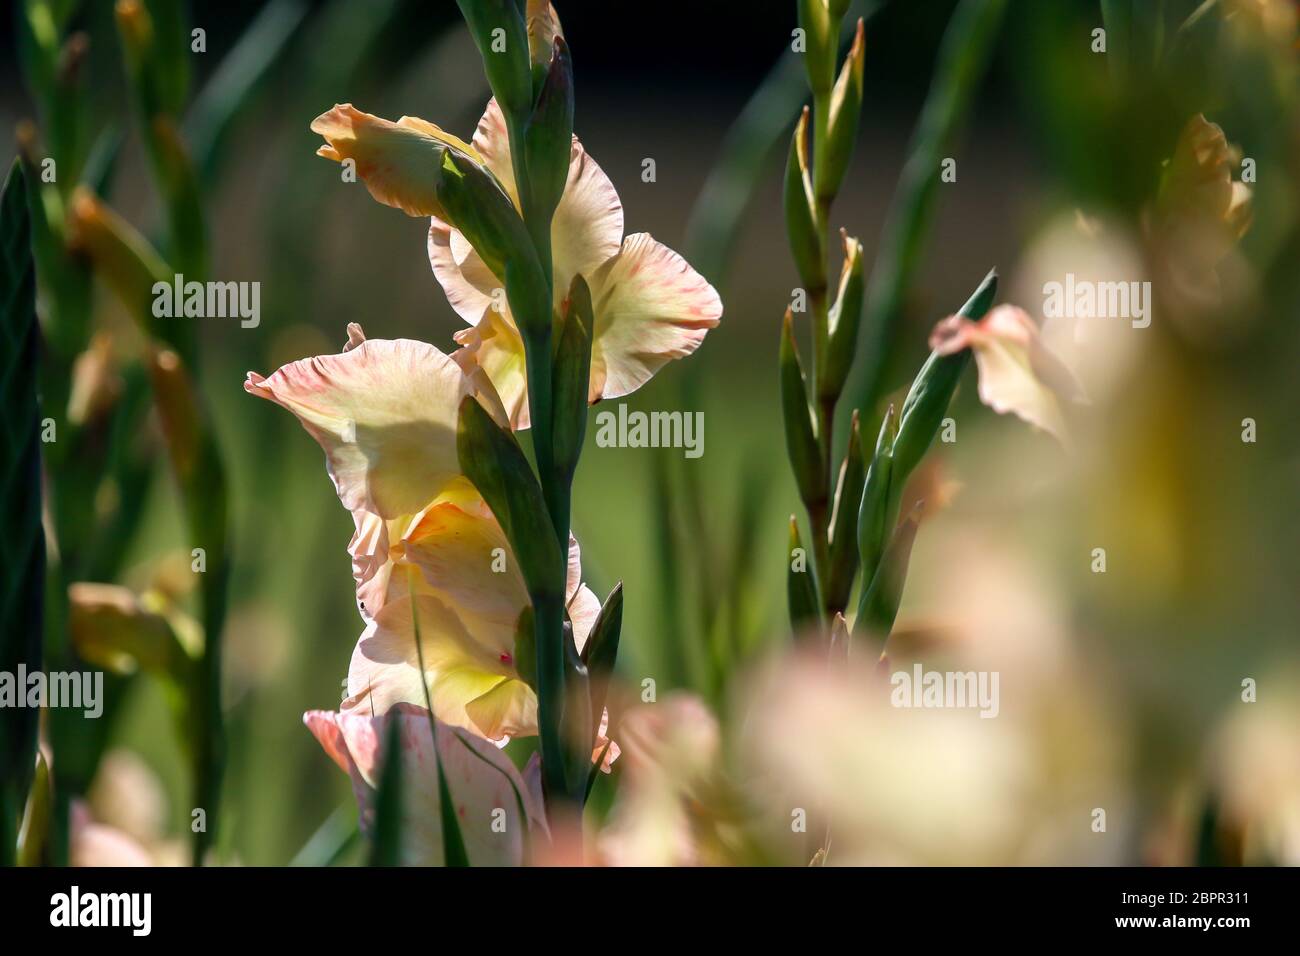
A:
1200,529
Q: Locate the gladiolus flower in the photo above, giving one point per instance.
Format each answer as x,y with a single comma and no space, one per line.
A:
427,550
650,306
673,749
480,779
396,161
451,574
1199,214
1017,373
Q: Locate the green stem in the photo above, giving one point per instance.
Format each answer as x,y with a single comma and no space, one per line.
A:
549,612
548,609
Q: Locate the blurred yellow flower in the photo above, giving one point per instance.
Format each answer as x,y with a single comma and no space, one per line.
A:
1200,212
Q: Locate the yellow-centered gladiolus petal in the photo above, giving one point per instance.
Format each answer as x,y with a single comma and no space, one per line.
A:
398,162
385,413
450,570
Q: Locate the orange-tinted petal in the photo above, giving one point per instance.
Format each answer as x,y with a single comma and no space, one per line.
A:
398,162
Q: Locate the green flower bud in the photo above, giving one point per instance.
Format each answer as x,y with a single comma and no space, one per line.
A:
844,521
821,36
549,137
801,584
806,242
800,433
845,316
842,124
501,36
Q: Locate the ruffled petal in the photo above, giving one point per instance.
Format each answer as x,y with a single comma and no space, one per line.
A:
509,709
585,231
465,278
385,413
588,224
1017,373
650,307
499,351
462,553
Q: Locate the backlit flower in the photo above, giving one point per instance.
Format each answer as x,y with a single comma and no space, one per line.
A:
427,550
649,305
1017,373
481,780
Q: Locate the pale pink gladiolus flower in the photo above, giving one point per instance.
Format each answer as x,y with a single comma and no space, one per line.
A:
425,543
1017,373
650,306
484,785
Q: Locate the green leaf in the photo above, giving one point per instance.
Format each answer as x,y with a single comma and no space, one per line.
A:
22,542
332,839
453,842
453,845
927,400
238,78
33,833
495,464
874,521
386,843
878,605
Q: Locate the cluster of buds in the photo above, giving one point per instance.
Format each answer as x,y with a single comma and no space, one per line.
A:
853,510
815,170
